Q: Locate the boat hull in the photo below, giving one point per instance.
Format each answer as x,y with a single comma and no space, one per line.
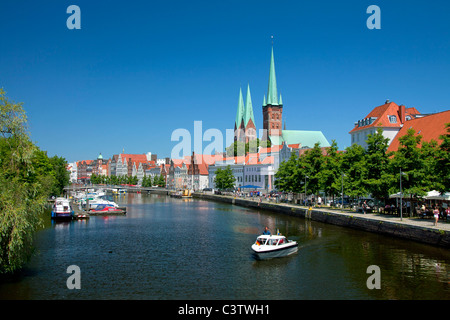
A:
261,253
62,215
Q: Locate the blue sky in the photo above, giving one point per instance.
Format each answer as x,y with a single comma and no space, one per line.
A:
138,70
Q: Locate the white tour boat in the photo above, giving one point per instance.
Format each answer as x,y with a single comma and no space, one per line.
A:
62,209
274,246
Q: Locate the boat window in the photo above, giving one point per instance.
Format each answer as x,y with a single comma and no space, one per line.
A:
273,242
261,240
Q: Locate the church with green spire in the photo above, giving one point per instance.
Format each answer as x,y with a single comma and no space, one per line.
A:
244,126
245,129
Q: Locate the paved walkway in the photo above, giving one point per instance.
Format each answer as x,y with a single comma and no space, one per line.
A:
414,221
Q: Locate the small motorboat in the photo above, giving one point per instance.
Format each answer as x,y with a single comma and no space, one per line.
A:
273,246
106,209
95,201
62,209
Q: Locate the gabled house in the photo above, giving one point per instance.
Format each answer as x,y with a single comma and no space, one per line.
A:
390,117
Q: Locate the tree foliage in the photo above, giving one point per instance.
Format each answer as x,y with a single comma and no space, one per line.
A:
224,178
372,171
239,148
27,177
147,181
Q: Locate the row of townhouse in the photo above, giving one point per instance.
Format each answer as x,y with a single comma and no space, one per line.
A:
194,172
84,169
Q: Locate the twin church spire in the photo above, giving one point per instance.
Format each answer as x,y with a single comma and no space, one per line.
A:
244,126
244,112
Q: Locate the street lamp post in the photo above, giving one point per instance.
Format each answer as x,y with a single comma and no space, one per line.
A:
401,196
305,188
342,194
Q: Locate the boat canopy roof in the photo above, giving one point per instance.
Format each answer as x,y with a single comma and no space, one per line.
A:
271,236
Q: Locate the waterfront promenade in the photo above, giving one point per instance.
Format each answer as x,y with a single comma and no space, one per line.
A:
415,228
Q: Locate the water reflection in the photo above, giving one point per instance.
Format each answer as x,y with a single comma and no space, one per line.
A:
166,248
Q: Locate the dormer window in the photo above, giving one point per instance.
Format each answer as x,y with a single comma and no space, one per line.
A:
392,119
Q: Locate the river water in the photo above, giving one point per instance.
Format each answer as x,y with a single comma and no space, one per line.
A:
166,248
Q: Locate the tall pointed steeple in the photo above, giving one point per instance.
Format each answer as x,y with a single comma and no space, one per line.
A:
272,94
240,110
272,107
248,113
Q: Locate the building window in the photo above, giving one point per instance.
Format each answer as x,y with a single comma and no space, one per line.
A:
392,119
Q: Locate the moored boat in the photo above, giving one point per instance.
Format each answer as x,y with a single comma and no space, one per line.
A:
96,201
62,209
273,246
105,209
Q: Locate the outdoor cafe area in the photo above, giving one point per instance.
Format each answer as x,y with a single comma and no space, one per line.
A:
419,207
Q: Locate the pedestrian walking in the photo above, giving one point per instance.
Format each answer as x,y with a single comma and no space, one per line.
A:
436,215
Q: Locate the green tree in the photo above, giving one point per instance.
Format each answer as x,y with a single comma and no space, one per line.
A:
239,148
224,178
443,161
133,180
431,154
330,175
288,177
409,160
314,160
355,170
22,196
378,178
159,181
147,181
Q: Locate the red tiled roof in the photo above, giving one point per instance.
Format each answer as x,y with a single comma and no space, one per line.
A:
323,149
252,158
134,157
267,160
203,169
272,149
382,113
429,127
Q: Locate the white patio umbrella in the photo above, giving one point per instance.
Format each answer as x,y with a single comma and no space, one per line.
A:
436,195
395,195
